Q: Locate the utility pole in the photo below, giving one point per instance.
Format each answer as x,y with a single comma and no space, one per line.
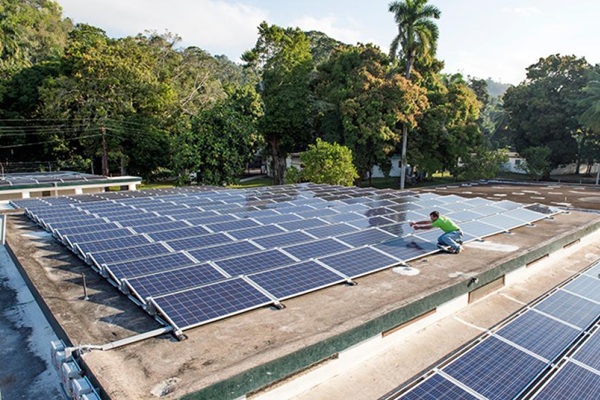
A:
104,157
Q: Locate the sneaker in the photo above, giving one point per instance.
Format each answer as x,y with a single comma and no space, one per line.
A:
456,251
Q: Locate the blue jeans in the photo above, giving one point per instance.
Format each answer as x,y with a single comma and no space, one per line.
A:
450,239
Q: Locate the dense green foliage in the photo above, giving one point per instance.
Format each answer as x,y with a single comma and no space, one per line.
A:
328,163
164,111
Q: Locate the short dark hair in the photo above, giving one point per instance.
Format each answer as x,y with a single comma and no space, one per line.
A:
434,214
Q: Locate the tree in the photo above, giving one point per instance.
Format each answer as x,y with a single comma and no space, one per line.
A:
483,163
591,103
417,39
282,62
546,106
362,103
537,163
222,140
328,163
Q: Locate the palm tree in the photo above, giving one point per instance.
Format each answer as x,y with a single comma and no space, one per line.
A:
591,117
417,39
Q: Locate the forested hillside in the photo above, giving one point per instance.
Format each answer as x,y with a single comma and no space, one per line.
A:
69,95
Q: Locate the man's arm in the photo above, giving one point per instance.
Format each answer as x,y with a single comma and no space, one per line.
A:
421,225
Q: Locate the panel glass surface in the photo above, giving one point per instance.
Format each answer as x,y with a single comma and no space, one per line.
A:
232,225
101,235
594,271
366,237
463,216
371,222
110,244
129,253
295,279
436,388
101,226
223,251
585,286
200,305
407,248
318,248
174,280
502,221
525,215
539,334
196,242
479,229
178,233
493,376
250,263
589,353
570,308
278,219
145,221
148,265
358,262
303,224
256,232
284,239
165,226
572,382
330,230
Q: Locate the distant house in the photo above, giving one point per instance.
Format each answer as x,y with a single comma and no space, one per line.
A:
514,162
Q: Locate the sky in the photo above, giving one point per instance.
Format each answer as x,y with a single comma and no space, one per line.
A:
481,39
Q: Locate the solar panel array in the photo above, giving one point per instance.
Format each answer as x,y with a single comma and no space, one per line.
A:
29,178
180,251
548,350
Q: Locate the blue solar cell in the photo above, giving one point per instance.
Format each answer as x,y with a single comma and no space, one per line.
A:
525,215
502,221
303,224
164,226
366,237
178,233
585,286
372,222
479,229
488,210
211,302
196,242
436,388
295,279
358,262
165,282
209,218
570,308
494,377
594,271
539,334
407,248
572,382
330,230
284,239
223,251
100,226
129,253
588,353
101,235
462,216
248,264
148,265
346,217
111,244
231,225
318,248
278,219
318,213
145,221
256,232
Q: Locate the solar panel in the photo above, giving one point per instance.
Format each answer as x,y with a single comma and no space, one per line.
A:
366,237
330,230
288,238
178,233
494,377
164,226
572,382
540,334
129,253
479,229
570,308
371,222
525,215
502,221
303,224
585,286
195,242
111,244
223,251
162,283
214,301
295,279
101,235
256,232
210,219
436,387
318,248
588,353
100,226
145,221
358,262
147,265
231,225
462,216
278,219
407,248
250,263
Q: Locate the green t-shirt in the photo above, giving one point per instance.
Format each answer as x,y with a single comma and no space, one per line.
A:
445,224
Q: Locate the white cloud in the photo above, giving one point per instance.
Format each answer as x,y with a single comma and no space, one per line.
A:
523,11
330,26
